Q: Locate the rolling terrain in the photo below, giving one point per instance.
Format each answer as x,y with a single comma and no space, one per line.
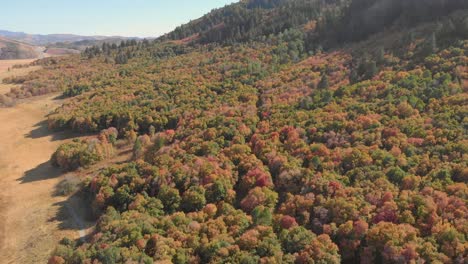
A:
12,49
18,45
60,44
15,50
44,40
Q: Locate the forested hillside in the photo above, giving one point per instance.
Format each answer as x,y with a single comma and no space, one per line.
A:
282,131
327,23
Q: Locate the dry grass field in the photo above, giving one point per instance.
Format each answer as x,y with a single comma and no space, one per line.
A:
6,70
32,217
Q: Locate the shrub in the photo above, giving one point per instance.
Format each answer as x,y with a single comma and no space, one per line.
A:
76,90
81,153
65,188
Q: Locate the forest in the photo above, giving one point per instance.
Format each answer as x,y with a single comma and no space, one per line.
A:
272,131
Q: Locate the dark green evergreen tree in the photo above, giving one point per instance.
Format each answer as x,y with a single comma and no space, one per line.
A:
324,83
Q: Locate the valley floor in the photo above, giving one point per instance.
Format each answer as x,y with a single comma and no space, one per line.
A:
32,217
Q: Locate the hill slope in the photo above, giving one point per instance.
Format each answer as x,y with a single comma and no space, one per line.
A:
12,49
328,22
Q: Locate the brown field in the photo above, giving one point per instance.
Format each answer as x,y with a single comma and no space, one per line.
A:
5,64
8,64
60,51
32,217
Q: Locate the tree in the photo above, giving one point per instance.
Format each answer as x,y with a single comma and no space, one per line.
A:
321,250
109,255
430,45
387,241
296,239
396,175
152,131
131,136
170,198
216,192
121,58
262,215
137,149
433,43
288,222
259,196
193,199
380,56
371,69
324,83
353,76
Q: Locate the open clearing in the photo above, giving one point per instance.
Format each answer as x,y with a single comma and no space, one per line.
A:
6,70
32,218
5,64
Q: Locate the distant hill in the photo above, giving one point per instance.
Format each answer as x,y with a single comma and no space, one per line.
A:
81,45
43,40
18,45
12,49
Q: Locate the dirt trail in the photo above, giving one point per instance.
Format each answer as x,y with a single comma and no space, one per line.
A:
32,218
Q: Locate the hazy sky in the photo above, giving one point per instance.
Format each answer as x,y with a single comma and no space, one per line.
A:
140,18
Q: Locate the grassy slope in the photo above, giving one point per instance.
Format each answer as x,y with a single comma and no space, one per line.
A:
11,49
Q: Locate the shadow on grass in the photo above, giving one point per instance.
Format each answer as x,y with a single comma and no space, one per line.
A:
44,171
60,97
75,214
41,130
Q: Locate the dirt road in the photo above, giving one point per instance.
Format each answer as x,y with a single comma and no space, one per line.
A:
32,218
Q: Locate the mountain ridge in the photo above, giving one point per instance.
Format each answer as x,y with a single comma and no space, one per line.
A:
47,39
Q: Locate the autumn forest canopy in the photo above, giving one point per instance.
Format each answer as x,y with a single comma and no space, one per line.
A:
272,131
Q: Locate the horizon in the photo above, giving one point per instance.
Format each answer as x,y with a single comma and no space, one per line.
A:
140,19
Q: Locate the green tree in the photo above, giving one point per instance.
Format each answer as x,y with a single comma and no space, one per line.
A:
193,199
433,43
380,56
121,58
170,198
324,83
371,69
216,192
296,239
396,175
262,215
137,149
353,76
152,131
110,255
